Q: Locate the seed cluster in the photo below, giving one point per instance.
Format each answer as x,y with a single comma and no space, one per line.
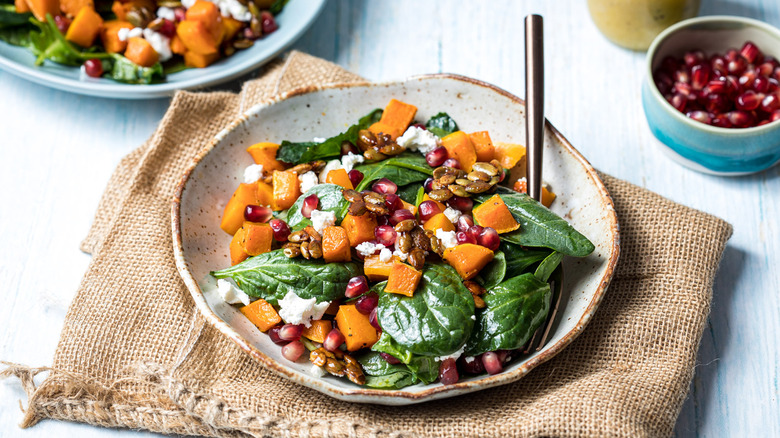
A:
377,147
476,291
300,169
306,242
449,181
339,364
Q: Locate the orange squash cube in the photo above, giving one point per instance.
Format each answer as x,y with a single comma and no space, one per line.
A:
264,153
72,7
409,207
357,330
318,330
468,259
177,46
439,221
109,35
208,14
85,27
265,194
287,189
197,60
237,252
141,52
231,27
40,8
548,197
459,146
233,216
509,154
377,270
483,146
21,6
258,238
262,314
403,279
340,178
359,228
395,119
335,245
196,37
495,214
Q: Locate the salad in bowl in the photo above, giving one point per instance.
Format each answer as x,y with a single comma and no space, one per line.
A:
396,253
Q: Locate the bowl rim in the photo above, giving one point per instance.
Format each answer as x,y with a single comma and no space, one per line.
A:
670,31
381,396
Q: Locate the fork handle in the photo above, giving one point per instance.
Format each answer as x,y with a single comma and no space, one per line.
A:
534,95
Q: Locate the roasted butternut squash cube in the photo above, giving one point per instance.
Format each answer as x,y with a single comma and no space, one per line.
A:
483,146
233,216
264,153
141,52
318,330
262,314
357,330
265,194
237,252
109,35
21,6
548,197
287,189
207,13
439,221
258,238
40,8
377,270
196,37
197,60
495,214
335,245
468,259
395,119
508,154
459,147
72,7
85,27
403,279
359,228
340,178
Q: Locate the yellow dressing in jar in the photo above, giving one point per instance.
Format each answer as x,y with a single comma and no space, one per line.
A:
634,24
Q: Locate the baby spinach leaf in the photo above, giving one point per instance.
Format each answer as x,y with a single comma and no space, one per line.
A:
441,124
406,168
304,152
277,6
436,321
518,258
271,275
493,273
382,375
409,192
17,35
548,265
9,16
420,196
424,368
331,199
515,309
539,227
125,70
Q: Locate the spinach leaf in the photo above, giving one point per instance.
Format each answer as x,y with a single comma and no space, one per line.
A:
386,344
539,227
304,152
424,368
515,309
125,70
548,265
271,275
406,168
420,196
17,35
9,16
382,375
518,259
493,273
277,6
409,192
436,321
331,199
441,124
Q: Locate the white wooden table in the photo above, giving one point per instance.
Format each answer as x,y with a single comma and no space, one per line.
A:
57,151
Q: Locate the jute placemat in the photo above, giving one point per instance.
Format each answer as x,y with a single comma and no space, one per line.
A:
135,352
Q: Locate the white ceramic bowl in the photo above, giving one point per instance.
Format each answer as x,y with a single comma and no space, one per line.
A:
201,246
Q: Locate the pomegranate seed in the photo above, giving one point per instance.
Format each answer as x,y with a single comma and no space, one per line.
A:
732,85
291,332
489,238
693,57
274,335
700,74
717,103
451,162
717,85
367,303
682,76
679,101
356,286
257,213
763,122
748,100
747,79
775,116
383,220
179,14
310,204
740,119
250,34
420,125
770,103
401,215
471,364
333,340
700,116
385,234
393,202
773,85
428,185
293,351
448,372
168,28
670,64
492,363
765,69
281,229
428,209
384,186
62,23
732,55
721,121
437,157
93,68
268,23
465,222
461,203
761,85
737,66
750,52
373,320
474,232
389,358
347,148
684,89
663,81
776,74
355,177
718,65
464,237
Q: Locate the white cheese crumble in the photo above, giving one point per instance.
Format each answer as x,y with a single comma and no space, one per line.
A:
187,3
295,310
124,33
160,43
452,214
322,219
350,160
454,355
473,318
234,8
332,165
166,13
470,359
308,181
401,255
253,173
317,371
385,255
319,139
369,248
447,238
418,139
231,293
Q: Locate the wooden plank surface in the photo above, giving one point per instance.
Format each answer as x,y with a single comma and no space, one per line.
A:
58,150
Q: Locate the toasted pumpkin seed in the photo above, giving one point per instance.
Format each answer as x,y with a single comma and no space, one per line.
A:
474,287
476,175
315,249
486,168
366,140
478,187
405,241
243,44
405,225
357,208
305,250
440,195
291,250
458,190
298,236
417,258
352,195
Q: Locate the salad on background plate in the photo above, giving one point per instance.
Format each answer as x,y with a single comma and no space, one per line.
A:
394,253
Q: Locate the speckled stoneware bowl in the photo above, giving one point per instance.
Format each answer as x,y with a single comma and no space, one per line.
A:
201,246
701,147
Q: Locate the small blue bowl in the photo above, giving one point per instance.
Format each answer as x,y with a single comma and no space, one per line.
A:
696,145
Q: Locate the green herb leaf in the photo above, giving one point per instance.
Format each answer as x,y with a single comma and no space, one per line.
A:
382,375
515,309
493,273
539,227
277,6
441,124
386,344
304,152
9,17
518,259
548,265
420,196
409,192
331,199
436,321
125,70
271,275
424,368
406,168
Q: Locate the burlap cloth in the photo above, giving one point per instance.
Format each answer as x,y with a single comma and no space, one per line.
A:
136,353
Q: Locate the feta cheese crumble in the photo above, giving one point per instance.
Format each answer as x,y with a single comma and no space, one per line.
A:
319,139
401,255
317,371
418,139
124,33
473,317
166,13
308,181
160,43
253,173
454,355
332,165
385,255
369,248
447,238
187,3
322,219
231,293
452,214
349,161
295,310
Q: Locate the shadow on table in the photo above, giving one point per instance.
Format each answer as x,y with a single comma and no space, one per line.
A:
731,7
702,399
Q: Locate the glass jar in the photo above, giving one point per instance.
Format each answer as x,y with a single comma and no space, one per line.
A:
634,24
